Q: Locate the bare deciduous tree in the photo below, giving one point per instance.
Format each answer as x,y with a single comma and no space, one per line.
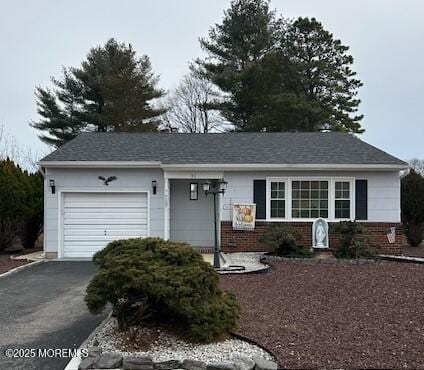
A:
417,165
10,148
190,107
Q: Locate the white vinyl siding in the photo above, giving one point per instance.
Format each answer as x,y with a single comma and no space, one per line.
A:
72,180
92,220
383,191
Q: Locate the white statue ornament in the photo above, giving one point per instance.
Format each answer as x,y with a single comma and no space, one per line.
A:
320,233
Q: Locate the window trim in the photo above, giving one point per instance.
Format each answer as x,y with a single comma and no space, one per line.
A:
268,198
351,182
288,193
197,191
284,199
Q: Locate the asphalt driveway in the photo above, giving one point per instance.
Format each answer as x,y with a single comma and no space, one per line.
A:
43,307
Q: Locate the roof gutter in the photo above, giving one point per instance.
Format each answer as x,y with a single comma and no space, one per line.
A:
99,164
222,166
291,167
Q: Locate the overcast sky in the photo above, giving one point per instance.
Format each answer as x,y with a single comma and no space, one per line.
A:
386,37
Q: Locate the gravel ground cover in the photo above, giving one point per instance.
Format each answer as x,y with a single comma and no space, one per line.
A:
164,346
7,264
335,315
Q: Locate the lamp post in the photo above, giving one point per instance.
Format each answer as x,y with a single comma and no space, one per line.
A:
215,187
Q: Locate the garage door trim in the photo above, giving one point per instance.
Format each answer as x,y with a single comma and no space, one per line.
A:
61,194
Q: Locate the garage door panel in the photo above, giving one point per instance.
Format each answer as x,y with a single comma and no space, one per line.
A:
121,207
99,198
88,216
104,215
82,234
88,244
96,239
82,221
102,227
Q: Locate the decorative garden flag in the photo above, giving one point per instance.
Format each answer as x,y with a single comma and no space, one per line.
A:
391,235
244,216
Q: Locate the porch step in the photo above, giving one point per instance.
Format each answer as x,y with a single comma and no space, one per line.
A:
324,254
205,250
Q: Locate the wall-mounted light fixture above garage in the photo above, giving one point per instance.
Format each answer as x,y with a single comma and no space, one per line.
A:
52,186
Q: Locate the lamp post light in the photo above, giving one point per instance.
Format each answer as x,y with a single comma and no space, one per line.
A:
215,187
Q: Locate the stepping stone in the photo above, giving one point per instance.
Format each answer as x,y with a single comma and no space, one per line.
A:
243,363
168,365
109,360
193,365
262,364
220,366
137,363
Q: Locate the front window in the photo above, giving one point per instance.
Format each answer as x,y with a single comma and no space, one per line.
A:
193,191
342,199
309,199
278,199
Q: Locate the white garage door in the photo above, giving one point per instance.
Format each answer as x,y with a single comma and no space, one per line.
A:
92,220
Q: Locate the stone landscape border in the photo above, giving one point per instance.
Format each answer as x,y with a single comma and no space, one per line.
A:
329,261
404,259
251,341
381,258
98,360
114,360
73,364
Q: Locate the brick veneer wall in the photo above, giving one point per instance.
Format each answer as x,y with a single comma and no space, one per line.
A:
248,241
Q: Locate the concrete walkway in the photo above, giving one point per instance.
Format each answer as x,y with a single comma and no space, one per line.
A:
34,256
43,307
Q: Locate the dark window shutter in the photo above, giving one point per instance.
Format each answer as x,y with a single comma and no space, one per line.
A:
259,197
361,199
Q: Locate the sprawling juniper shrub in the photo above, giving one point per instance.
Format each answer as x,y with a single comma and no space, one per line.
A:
162,281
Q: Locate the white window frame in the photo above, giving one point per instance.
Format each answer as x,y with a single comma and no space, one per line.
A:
268,208
288,193
196,191
268,197
351,182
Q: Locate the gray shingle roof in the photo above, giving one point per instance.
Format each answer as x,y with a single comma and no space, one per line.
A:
230,148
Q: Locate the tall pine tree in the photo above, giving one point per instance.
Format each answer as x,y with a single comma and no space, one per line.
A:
249,31
316,67
280,75
112,90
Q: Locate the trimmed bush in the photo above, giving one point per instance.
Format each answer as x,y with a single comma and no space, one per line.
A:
354,244
283,240
153,279
412,188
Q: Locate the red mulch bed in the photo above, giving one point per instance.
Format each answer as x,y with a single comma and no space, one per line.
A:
335,316
7,264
